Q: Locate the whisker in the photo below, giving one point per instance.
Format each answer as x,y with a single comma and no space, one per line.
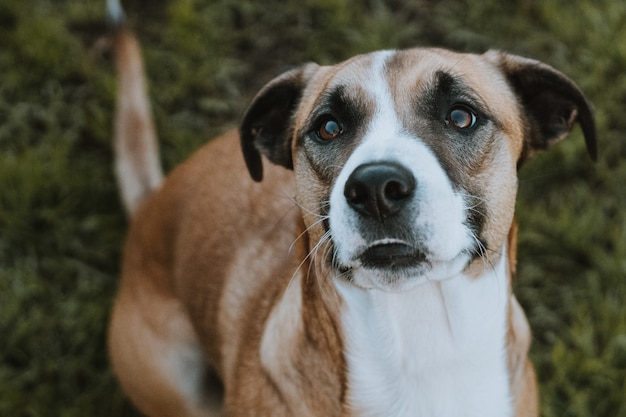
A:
473,201
487,260
325,245
324,203
320,220
311,254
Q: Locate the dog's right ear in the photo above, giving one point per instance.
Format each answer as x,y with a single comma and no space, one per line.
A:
267,126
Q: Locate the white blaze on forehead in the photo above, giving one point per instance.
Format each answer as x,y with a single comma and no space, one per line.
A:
438,212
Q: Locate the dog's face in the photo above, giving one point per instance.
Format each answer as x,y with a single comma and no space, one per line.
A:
405,162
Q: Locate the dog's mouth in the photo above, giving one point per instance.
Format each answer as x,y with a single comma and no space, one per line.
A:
387,264
391,256
397,265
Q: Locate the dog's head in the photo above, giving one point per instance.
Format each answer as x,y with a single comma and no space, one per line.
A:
406,161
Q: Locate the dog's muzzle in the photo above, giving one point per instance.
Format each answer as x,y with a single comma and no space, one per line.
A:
379,192
395,218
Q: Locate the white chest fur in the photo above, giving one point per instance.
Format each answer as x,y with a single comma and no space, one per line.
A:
437,351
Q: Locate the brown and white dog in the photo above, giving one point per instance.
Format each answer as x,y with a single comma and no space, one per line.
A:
359,262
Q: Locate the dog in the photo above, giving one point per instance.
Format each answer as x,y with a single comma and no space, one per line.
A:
357,260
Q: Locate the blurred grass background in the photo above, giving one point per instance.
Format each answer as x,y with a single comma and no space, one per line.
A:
61,225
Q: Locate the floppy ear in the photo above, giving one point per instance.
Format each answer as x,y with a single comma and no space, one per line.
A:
267,126
552,102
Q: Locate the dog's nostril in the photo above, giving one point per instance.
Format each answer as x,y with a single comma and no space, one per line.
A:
356,192
396,190
379,189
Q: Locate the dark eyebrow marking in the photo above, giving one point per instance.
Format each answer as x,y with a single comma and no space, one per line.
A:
452,87
446,89
333,99
445,82
348,105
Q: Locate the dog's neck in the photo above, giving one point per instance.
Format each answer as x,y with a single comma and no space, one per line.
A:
439,349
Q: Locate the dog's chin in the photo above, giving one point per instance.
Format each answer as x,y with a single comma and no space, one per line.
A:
398,267
386,281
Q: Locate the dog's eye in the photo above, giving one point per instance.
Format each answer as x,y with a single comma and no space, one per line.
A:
329,129
461,117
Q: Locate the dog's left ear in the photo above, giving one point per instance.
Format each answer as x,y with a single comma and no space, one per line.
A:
267,126
553,103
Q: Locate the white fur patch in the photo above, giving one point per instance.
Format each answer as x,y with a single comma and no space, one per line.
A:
437,350
283,326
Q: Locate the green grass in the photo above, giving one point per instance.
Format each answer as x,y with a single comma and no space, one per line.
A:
61,225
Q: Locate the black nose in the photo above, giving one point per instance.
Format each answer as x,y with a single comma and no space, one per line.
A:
379,189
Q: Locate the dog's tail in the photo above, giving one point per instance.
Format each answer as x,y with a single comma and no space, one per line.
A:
137,164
